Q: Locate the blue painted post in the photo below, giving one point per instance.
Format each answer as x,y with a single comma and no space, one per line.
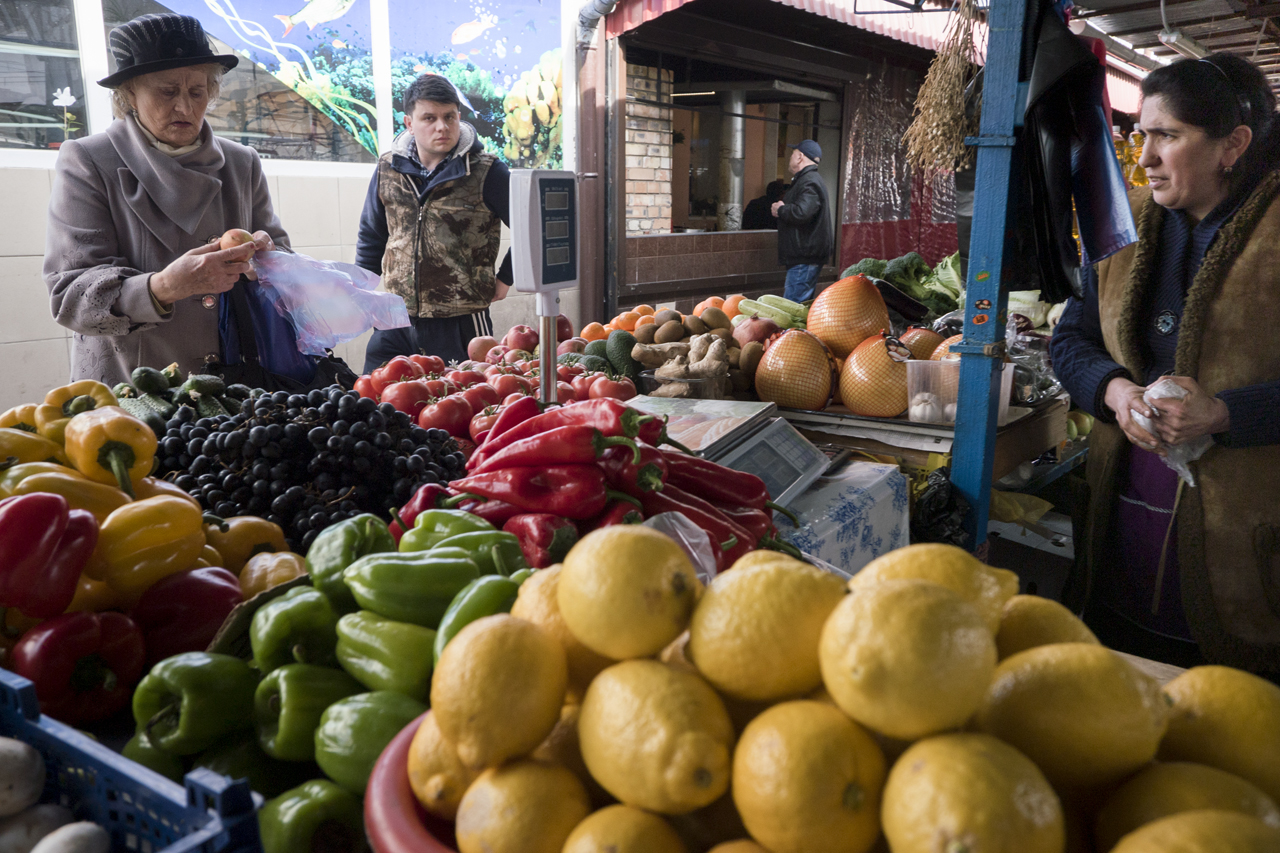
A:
982,348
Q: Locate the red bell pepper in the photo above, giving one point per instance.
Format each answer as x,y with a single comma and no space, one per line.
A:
574,491
568,445
494,512
544,538
610,416
631,475
510,415
755,521
713,482
394,370
428,496
84,665
44,545
717,524
655,432
621,509
183,612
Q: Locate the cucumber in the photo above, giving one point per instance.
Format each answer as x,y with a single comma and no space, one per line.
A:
123,390
159,404
618,350
173,373
207,406
795,309
594,364
146,414
204,384
238,392
598,348
148,380
767,312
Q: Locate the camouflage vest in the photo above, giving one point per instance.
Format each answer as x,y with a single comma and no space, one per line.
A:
440,256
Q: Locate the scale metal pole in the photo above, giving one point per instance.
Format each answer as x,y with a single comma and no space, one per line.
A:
548,313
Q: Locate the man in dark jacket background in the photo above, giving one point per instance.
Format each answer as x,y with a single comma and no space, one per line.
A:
431,226
805,238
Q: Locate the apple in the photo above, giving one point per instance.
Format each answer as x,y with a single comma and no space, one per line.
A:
479,347
564,328
516,356
235,237
494,356
571,345
521,337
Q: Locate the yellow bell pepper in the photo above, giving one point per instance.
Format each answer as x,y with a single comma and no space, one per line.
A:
98,498
20,417
209,553
147,540
10,479
18,447
263,571
111,446
244,536
63,404
150,487
94,597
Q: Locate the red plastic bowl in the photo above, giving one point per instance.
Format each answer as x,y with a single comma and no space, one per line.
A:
393,818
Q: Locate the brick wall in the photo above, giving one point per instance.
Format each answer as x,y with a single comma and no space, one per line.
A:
648,151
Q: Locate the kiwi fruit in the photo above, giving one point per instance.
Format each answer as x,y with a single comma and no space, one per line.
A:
665,315
694,325
645,334
669,332
715,318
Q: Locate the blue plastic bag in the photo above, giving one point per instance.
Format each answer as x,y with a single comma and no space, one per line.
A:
327,302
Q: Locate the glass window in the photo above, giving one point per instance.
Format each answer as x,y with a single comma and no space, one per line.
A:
326,114
41,91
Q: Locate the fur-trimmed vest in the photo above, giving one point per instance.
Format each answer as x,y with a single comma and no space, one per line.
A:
1229,526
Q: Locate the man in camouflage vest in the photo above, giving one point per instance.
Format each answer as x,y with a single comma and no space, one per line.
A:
430,227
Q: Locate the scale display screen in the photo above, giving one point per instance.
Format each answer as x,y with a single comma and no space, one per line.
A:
558,229
557,201
557,257
780,456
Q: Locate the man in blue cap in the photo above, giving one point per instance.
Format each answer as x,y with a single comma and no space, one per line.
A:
805,239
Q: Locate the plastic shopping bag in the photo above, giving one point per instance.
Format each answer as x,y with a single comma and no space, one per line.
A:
1177,456
327,302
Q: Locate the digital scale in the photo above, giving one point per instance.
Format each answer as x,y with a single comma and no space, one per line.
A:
544,246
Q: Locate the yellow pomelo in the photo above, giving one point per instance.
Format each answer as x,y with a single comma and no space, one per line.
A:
436,773
1029,621
807,779
754,635
624,829
627,591
1078,710
1162,790
985,587
521,807
907,658
1229,719
655,737
537,603
970,792
1202,832
498,689
741,846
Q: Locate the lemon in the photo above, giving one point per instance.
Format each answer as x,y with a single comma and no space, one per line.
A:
537,603
436,773
807,779
908,658
985,587
562,747
1078,710
1229,719
754,634
655,737
1202,832
1167,789
498,689
760,557
623,829
1029,621
741,846
626,591
971,793
521,807
710,825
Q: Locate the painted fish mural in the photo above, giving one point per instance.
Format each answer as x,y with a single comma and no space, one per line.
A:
315,12
472,30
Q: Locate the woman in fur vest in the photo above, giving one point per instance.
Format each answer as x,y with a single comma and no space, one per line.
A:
1173,572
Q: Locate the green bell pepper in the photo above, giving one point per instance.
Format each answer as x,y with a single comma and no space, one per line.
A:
413,588
144,752
354,731
338,547
190,701
434,526
317,815
523,575
240,757
296,627
288,705
496,552
383,654
484,596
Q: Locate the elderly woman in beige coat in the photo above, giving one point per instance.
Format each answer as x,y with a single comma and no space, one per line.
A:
132,260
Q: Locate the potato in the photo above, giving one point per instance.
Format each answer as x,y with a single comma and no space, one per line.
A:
23,831
666,315
22,774
715,318
694,325
646,333
669,332
82,837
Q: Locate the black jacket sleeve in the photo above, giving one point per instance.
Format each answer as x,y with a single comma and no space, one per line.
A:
371,242
1080,359
803,208
497,197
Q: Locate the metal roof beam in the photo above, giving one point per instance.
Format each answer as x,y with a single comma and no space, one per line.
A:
1144,6
1242,24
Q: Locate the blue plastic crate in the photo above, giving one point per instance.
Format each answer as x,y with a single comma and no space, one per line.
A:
141,809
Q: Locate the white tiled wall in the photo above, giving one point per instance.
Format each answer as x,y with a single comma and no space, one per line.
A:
320,212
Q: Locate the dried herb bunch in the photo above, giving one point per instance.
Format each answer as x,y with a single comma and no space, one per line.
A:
935,139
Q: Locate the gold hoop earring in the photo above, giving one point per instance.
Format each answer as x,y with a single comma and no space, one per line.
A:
1227,170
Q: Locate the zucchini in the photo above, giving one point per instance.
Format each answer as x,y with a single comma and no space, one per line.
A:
795,309
148,380
767,312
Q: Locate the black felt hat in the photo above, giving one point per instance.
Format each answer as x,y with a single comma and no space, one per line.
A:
158,43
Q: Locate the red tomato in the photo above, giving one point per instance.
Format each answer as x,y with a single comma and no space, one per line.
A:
452,414
364,387
621,389
482,423
438,387
506,384
409,396
566,372
428,364
395,370
565,393
582,384
464,378
527,367
493,370
466,445
481,396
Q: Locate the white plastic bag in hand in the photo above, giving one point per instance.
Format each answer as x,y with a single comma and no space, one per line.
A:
1177,456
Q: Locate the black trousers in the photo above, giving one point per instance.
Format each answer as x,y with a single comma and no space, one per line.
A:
446,337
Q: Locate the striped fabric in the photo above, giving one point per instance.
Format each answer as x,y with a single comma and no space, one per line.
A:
158,42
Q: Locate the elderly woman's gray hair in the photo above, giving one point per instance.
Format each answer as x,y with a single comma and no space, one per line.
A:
120,106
